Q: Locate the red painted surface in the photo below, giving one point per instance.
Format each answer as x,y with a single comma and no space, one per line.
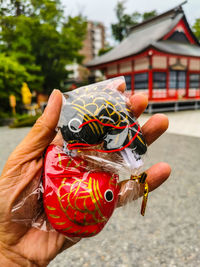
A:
155,52
132,83
75,197
167,78
150,85
197,93
140,55
187,80
181,26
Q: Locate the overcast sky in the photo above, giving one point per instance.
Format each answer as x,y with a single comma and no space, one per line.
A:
104,10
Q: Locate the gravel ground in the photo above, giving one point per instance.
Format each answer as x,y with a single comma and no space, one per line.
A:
168,235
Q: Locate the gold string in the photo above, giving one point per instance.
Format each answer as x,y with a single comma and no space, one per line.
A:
142,180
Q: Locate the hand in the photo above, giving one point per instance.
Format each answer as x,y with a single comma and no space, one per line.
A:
26,246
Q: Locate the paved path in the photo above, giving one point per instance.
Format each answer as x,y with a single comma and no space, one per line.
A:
182,122
169,234
9,138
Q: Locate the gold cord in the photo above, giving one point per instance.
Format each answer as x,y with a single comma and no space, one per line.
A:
142,180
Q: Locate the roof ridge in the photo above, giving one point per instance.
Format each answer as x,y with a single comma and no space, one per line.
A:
176,9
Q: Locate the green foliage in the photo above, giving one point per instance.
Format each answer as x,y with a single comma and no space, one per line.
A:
102,51
125,21
38,36
24,121
4,115
196,28
149,15
12,75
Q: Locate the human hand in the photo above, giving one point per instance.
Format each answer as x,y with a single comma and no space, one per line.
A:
20,245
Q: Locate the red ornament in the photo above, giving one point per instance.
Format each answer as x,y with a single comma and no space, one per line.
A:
78,202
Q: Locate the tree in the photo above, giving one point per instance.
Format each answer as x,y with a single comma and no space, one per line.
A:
149,15
126,21
196,28
12,75
39,37
103,51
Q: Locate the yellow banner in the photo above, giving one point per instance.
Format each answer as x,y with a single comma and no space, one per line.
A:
12,100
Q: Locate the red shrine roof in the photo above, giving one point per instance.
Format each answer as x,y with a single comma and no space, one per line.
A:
156,33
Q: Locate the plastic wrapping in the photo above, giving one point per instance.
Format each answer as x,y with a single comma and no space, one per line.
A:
83,180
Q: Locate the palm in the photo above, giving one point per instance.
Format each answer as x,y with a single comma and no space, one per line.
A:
31,243
40,246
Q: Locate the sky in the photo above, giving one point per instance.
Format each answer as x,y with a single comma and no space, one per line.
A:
104,10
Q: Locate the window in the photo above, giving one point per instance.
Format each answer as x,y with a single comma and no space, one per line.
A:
181,79
128,82
159,80
141,81
177,79
194,81
172,79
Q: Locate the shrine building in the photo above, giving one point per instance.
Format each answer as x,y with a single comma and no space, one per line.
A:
161,58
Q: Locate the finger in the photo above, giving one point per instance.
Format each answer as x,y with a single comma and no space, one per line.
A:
121,86
43,131
156,175
155,127
117,84
138,104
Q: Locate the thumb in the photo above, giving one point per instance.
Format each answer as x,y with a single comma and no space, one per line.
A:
43,132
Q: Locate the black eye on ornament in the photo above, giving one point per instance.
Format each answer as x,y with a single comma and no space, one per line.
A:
74,124
108,195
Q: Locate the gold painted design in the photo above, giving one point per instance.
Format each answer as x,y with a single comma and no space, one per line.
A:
79,108
59,159
98,190
91,191
69,163
88,118
96,195
140,139
93,198
54,216
68,228
111,109
60,223
94,232
51,208
78,165
85,232
76,232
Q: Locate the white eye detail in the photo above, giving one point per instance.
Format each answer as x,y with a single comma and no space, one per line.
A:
108,195
74,124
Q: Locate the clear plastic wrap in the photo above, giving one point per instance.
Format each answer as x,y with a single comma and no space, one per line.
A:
97,168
